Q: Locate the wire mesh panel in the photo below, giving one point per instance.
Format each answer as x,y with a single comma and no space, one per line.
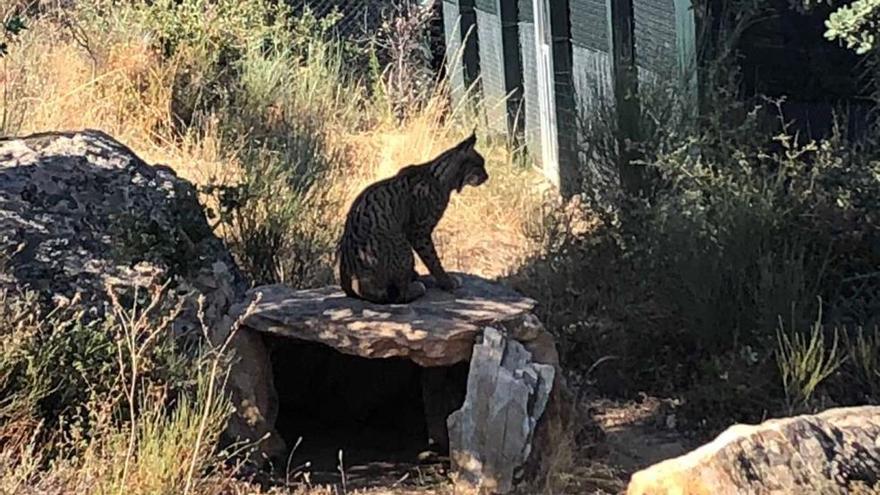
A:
563,96
363,19
549,91
462,59
499,60
665,48
591,54
686,45
545,48
592,77
654,31
529,56
545,90
358,18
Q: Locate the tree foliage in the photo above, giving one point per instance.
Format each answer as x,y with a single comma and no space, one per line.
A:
856,25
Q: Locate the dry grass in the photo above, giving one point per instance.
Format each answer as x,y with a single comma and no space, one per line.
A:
120,85
53,83
484,229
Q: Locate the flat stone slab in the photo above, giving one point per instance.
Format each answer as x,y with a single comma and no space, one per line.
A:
438,329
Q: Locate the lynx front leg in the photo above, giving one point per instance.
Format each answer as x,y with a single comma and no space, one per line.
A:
423,245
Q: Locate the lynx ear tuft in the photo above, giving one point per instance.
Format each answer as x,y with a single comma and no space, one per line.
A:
468,142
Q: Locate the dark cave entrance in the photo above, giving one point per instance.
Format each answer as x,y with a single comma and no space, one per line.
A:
371,409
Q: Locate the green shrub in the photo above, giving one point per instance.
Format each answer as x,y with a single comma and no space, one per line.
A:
72,373
745,223
858,379
102,403
288,98
856,24
805,361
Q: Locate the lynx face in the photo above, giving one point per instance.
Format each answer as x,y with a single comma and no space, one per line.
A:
472,165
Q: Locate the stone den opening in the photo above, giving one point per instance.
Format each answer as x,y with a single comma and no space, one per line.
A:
372,409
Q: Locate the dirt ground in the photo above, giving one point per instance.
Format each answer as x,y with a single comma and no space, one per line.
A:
622,438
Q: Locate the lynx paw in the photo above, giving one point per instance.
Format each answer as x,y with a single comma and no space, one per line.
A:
415,290
449,283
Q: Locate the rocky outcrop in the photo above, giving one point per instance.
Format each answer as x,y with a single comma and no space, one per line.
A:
834,452
438,329
80,211
490,427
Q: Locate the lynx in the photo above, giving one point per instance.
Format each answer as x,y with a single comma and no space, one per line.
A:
393,217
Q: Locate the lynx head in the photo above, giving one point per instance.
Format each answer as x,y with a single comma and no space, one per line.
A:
471,165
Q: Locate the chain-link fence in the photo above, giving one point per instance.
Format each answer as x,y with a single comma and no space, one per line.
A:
362,19
406,36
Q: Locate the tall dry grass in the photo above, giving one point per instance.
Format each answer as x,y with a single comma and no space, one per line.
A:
67,71
85,409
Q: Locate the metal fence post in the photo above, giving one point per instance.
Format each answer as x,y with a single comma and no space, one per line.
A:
569,177
626,92
545,91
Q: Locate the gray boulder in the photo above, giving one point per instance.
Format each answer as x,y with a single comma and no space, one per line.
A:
80,211
833,452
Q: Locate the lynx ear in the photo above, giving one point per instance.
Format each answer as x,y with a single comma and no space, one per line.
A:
469,141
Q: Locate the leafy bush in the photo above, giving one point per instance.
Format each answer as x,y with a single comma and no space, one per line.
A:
680,291
856,24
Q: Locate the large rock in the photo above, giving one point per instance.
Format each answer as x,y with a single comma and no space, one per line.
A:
79,210
836,451
491,422
436,330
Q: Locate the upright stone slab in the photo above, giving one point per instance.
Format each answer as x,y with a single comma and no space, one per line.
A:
490,437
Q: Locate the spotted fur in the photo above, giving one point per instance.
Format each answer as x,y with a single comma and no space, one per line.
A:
393,217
